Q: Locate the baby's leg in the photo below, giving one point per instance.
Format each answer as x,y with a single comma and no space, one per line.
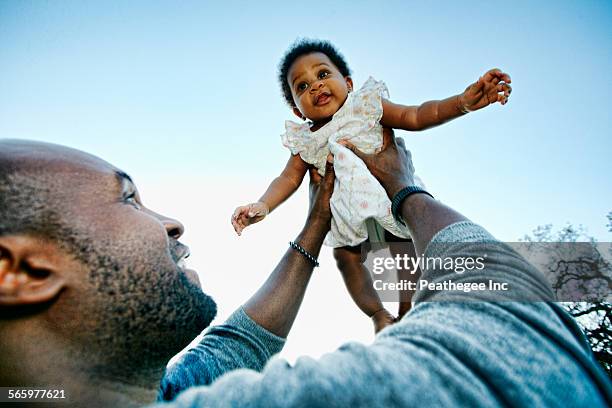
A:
402,246
359,284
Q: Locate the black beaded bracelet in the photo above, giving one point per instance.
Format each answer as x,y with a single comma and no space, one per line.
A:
399,198
302,251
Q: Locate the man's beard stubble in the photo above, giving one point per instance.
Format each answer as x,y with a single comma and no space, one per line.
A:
148,315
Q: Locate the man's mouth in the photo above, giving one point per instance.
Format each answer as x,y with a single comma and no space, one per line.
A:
182,253
322,98
180,256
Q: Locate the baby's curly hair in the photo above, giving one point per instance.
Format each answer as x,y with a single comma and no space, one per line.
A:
306,46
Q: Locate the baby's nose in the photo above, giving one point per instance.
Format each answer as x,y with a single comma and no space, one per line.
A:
316,85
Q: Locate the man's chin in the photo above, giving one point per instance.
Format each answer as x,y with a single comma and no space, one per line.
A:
203,306
192,276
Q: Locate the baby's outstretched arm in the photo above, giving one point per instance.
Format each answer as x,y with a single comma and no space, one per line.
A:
279,190
492,87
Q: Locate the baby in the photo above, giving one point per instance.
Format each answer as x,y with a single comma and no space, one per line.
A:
316,83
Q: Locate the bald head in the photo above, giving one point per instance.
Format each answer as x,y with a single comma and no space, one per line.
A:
27,155
38,185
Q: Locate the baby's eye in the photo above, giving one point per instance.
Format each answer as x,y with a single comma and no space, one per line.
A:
302,86
323,74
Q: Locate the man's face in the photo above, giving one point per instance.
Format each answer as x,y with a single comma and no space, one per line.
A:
136,299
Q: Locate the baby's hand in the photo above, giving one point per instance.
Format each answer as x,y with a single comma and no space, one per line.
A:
248,214
490,88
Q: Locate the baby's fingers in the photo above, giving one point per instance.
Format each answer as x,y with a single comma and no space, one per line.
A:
238,218
239,211
236,226
505,88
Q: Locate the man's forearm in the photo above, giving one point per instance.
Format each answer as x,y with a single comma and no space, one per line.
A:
275,305
425,216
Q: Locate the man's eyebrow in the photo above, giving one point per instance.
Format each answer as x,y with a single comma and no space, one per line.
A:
122,176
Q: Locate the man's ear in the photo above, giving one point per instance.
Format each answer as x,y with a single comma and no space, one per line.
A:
349,83
297,113
31,271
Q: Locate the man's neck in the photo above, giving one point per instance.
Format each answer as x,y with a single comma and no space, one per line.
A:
86,380
108,393
84,389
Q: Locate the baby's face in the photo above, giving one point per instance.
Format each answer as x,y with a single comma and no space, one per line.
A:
317,86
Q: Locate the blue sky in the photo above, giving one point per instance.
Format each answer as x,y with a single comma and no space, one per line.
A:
183,96
190,87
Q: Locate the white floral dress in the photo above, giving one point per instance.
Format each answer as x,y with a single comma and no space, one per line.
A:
358,198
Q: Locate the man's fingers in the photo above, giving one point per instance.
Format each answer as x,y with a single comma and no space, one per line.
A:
388,138
400,142
329,168
352,148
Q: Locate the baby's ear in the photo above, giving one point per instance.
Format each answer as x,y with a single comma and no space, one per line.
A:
349,83
297,113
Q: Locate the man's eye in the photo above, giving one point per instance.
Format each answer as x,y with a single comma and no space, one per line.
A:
323,74
302,86
131,199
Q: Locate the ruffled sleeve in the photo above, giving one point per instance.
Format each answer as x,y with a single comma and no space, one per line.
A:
311,146
368,101
294,138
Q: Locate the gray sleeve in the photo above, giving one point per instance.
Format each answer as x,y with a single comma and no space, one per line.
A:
442,353
502,264
238,343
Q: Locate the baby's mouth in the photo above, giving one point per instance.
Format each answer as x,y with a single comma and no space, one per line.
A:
322,98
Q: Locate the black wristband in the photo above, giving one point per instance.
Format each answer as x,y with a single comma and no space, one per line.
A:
398,199
302,251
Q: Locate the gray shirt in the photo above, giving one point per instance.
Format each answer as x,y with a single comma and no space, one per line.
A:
466,349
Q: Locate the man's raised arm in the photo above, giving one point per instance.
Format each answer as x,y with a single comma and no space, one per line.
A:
257,330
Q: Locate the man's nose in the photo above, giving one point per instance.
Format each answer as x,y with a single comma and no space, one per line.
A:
173,227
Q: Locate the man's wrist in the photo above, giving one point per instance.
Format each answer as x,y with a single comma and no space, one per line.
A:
317,224
394,188
401,196
312,235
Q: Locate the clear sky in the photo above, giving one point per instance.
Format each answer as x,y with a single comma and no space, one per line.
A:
183,96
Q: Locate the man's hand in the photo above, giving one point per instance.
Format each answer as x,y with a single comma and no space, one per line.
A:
321,189
490,88
248,214
392,166
276,303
